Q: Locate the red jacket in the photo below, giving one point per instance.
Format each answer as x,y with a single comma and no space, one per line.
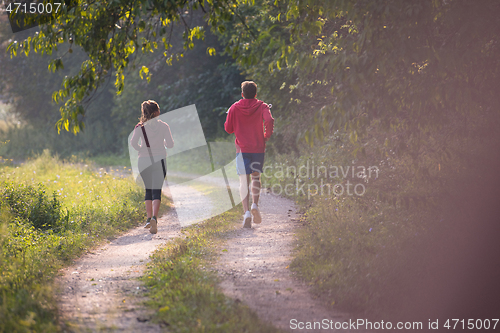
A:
246,119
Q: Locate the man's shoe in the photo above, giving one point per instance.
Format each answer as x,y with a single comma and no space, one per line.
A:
154,225
256,213
148,223
247,220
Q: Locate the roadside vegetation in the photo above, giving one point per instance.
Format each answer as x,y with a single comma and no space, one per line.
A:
51,212
416,224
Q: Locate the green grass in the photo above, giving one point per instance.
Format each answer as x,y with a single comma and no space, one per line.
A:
351,248
51,212
110,160
372,253
348,251
81,206
183,289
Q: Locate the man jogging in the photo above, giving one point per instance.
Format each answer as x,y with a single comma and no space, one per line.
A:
246,119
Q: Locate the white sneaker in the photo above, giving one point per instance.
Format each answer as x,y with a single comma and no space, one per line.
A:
256,214
154,225
247,220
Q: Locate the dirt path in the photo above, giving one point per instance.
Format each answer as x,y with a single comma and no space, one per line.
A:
101,291
254,264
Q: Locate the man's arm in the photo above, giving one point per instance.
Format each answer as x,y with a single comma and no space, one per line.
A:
228,125
268,123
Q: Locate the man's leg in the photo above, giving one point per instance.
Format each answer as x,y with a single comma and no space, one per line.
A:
245,197
255,187
255,196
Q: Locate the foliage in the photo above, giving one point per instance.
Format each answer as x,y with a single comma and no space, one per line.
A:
28,87
184,291
407,237
213,86
326,64
111,34
331,65
41,232
99,138
109,118
32,204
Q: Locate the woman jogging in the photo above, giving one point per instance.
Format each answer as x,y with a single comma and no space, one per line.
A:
155,136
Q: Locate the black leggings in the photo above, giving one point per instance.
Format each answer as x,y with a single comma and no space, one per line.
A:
153,176
152,194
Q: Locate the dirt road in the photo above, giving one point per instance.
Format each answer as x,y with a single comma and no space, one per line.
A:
254,264
101,291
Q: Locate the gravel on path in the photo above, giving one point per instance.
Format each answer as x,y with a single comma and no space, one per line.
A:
101,290
254,268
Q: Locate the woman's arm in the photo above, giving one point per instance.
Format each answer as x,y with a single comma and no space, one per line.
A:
168,140
134,142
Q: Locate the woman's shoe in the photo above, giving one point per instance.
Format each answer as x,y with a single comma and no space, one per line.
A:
154,225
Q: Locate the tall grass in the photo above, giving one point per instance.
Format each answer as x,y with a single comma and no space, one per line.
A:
390,252
51,212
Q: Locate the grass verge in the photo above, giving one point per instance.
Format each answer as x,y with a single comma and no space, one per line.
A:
183,289
423,221
51,212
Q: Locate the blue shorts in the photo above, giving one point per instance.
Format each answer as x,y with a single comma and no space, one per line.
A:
246,163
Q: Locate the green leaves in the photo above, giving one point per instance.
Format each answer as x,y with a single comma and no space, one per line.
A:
55,65
401,63
145,71
110,33
211,51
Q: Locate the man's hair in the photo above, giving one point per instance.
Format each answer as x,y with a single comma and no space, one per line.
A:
249,89
148,108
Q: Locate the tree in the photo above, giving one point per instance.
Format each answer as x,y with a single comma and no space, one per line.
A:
111,34
343,64
211,81
212,85
329,64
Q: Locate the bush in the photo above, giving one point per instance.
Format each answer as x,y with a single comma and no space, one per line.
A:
425,229
50,212
31,204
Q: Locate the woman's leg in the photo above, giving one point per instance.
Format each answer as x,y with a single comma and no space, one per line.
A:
158,178
144,165
156,207
149,208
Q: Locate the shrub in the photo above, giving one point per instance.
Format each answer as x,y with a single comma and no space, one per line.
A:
32,204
